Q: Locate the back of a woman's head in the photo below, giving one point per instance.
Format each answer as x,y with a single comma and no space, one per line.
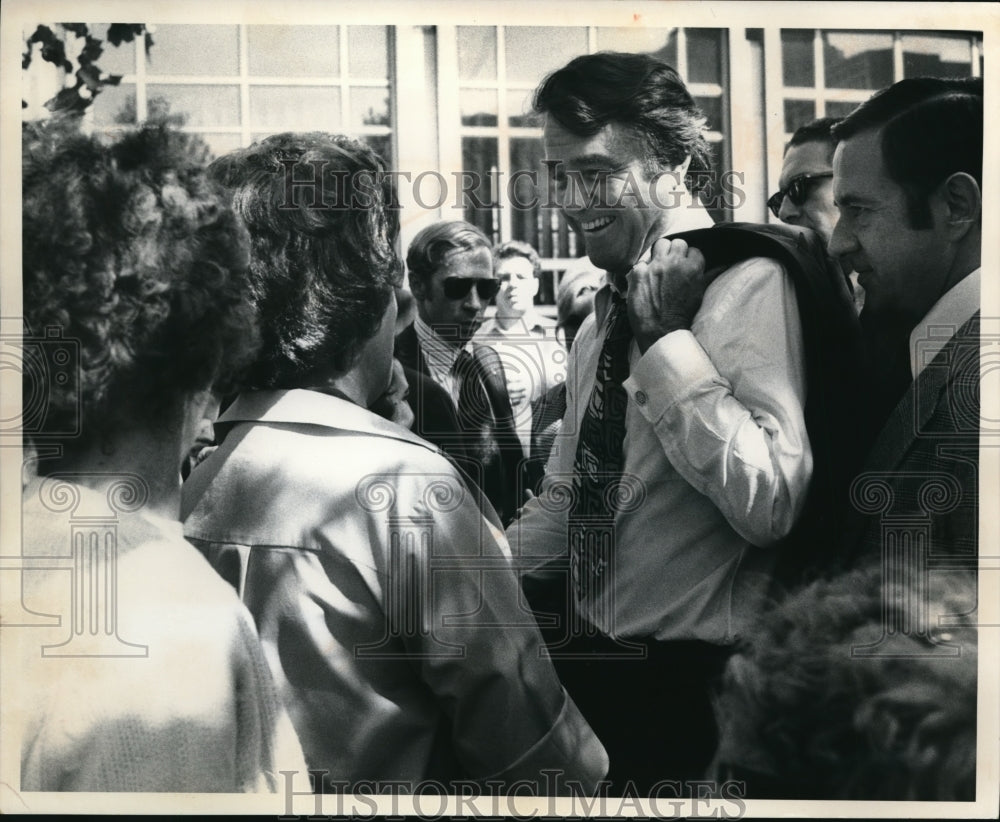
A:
322,215
133,258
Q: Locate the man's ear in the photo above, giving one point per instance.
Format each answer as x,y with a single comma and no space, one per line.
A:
963,202
417,288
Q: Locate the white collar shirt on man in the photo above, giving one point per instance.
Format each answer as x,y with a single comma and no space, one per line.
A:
440,357
947,315
716,437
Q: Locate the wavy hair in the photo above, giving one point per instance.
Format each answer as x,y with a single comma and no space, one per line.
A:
323,219
133,257
635,90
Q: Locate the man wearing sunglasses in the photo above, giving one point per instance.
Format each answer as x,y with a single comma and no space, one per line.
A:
805,187
457,389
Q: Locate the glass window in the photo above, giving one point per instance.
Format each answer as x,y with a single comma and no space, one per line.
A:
835,109
661,43
532,51
480,156
797,64
526,188
292,108
712,108
194,49
704,49
293,51
857,60
223,143
368,51
937,55
198,105
370,106
115,104
115,59
798,113
519,109
477,53
478,107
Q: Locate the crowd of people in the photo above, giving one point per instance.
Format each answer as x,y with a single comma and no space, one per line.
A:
715,520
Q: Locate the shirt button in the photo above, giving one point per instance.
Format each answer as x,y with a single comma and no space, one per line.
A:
640,397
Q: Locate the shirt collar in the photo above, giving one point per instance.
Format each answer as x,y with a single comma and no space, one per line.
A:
947,315
300,406
688,219
438,353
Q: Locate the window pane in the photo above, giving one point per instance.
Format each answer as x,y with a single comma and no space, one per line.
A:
479,156
711,192
660,43
368,51
221,144
114,59
370,106
704,48
477,53
199,105
798,113
194,50
294,108
712,108
115,104
293,51
855,60
519,110
478,107
526,188
797,64
532,52
937,55
834,109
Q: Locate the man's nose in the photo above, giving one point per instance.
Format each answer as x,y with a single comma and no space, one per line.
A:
788,212
841,240
473,299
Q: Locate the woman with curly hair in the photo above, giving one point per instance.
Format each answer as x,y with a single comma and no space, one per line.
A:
152,677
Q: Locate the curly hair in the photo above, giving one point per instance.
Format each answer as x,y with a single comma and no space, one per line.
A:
131,254
323,220
803,716
636,90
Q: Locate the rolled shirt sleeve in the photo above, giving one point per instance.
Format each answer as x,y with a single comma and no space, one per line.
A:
726,400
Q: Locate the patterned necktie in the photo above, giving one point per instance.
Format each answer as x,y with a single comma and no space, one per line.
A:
599,456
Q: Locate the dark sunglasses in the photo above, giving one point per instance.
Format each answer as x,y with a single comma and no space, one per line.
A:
458,288
797,191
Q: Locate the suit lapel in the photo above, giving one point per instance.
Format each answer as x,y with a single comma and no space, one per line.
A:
918,404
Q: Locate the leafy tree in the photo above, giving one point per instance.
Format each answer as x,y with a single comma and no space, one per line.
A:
90,80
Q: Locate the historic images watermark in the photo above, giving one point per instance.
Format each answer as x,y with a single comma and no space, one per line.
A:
310,184
551,796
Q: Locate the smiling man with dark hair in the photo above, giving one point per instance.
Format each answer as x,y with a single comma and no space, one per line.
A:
683,456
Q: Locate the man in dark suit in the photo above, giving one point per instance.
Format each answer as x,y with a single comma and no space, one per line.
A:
907,181
457,390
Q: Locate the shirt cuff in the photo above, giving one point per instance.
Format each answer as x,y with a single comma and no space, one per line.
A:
570,741
667,372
